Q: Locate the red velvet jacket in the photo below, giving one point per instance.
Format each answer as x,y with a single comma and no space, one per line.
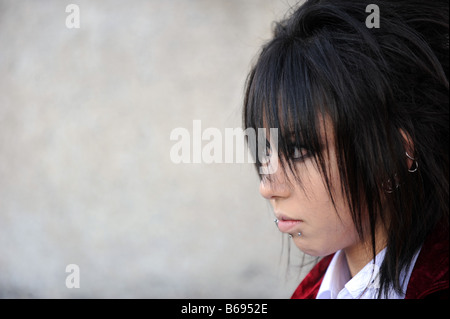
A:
429,278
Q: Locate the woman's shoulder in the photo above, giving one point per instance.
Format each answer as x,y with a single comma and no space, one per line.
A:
310,285
430,277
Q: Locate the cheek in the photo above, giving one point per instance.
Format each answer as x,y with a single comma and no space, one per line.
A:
325,236
324,232
326,228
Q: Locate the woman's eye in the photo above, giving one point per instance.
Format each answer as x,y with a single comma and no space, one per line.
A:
268,150
299,152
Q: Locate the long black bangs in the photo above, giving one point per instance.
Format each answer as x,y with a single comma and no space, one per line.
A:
282,93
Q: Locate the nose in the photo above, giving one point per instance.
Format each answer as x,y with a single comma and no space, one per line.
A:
274,186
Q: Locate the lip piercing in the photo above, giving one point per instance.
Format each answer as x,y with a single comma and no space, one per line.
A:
290,236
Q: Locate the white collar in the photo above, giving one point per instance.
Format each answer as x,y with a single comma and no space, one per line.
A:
338,283
336,276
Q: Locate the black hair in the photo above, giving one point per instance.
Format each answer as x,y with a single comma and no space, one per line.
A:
373,84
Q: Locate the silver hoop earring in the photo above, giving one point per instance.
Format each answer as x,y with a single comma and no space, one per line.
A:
416,167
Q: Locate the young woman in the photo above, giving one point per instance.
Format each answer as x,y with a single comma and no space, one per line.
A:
362,148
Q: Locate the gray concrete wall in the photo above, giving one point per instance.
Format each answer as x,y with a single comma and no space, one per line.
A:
85,172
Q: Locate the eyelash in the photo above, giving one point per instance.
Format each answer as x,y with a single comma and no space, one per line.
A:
294,152
268,150
298,153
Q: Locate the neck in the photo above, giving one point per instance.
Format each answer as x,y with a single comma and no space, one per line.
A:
360,254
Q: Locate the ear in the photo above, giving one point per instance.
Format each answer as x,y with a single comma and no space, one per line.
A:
408,144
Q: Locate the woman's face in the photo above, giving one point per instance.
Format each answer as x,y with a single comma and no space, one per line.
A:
308,209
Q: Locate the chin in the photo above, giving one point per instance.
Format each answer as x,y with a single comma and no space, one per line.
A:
313,251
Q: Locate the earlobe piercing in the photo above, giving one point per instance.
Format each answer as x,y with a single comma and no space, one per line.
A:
415,163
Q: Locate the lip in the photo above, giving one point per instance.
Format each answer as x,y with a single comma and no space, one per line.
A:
286,224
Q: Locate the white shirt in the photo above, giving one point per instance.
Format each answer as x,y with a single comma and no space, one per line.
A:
339,284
